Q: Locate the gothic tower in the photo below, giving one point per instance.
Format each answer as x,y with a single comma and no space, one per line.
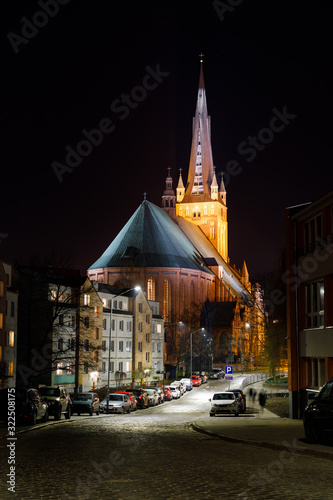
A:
203,201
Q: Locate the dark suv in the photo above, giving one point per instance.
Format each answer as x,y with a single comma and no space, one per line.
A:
141,397
318,415
58,400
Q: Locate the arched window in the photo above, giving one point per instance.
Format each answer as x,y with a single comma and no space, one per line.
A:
182,297
151,289
166,299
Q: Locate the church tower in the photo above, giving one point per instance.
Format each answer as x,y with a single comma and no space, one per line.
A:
202,201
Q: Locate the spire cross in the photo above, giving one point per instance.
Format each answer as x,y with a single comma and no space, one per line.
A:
144,196
201,57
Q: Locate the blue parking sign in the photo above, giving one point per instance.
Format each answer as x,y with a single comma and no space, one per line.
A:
228,370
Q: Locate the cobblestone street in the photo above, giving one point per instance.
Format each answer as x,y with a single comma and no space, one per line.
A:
155,454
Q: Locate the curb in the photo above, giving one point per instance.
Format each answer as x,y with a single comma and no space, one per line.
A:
262,444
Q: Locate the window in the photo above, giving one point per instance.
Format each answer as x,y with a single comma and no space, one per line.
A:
113,324
111,366
86,321
10,368
1,320
187,211
59,369
71,321
153,347
140,326
96,333
104,324
140,346
103,345
205,210
115,304
60,345
2,288
314,293
70,369
53,295
120,305
140,365
67,297
85,368
95,356
121,325
212,231
86,299
71,344
129,326
159,328
158,347
151,289
128,345
104,302
112,345
12,309
128,366
167,299
147,357
96,311
103,366
61,320
147,319
147,337
312,233
86,345
11,336
140,307
121,346
120,366
212,210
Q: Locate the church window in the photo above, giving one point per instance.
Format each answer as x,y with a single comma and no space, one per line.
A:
212,230
151,289
212,210
182,296
166,299
205,210
187,212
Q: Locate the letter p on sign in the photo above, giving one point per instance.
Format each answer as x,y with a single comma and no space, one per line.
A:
228,370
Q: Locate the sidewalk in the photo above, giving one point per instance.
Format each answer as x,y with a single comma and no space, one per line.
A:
261,428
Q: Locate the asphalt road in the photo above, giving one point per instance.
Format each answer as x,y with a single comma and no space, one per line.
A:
154,454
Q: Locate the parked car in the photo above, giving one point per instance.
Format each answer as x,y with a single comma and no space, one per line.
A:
241,399
196,380
179,386
204,378
224,402
134,403
160,393
152,397
174,391
58,400
188,383
86,402
216,373
167,394
141,398
27,404
118,403
318,415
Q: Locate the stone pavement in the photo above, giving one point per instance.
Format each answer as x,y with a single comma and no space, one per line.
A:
261,427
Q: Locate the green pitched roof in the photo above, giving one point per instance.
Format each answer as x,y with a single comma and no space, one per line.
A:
151,239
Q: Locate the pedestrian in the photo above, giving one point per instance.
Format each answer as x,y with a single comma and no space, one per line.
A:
262,399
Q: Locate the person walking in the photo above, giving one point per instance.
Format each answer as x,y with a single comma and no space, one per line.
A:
262,399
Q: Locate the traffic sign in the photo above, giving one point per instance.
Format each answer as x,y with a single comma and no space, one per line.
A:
228,370
229,377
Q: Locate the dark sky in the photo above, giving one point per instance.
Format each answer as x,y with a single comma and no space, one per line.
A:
64,77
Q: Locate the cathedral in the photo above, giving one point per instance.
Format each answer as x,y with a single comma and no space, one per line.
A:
178,254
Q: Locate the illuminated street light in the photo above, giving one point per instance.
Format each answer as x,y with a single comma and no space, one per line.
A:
136,288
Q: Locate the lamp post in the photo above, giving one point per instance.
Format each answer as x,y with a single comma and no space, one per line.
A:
137,288
199,330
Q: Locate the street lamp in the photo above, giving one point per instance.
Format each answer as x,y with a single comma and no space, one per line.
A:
137,288
199,330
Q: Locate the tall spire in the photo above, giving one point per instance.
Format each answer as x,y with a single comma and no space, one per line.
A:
180,188
201,171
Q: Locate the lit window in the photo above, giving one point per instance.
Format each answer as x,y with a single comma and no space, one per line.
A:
53,295
314,293
159,328
1,320
96,333
95,357
10,368
212,210
151,289
128,366
11,336
96,312
104,302
59,369
70,369
86,299
167,299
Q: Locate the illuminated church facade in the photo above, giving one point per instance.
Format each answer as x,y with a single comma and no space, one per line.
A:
178,254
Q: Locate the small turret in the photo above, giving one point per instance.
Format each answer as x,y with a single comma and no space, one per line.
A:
214,188
169,197
223,192
180,188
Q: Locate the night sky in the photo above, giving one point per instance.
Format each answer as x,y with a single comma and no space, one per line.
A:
73,73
